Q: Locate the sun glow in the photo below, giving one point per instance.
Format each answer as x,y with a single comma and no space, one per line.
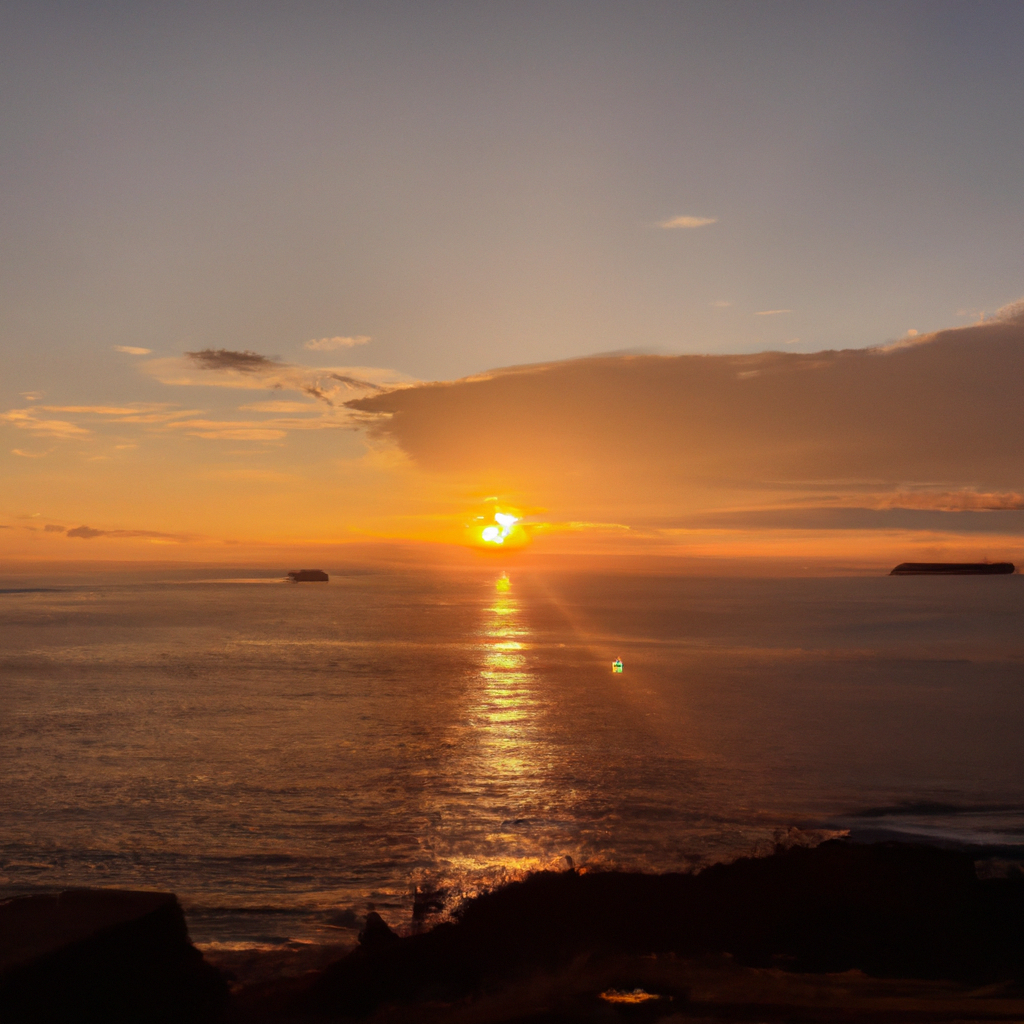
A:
502,529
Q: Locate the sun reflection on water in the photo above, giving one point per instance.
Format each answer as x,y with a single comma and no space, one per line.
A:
501,811
510,764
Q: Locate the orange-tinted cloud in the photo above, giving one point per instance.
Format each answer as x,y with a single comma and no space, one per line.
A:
935,426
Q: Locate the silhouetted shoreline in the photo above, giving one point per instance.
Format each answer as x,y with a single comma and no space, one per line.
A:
892,931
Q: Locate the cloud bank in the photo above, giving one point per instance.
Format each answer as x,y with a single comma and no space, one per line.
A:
937,426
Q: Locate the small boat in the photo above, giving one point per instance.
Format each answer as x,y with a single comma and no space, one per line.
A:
953,569
308,576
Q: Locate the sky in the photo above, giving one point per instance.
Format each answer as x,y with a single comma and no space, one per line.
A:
224,222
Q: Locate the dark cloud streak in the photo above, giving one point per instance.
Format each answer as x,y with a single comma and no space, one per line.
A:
226,359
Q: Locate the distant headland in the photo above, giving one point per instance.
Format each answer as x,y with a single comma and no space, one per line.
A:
953,569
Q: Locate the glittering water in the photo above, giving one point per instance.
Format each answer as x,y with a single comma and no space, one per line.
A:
282,755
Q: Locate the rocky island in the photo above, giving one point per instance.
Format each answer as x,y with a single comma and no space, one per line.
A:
308,576
953,569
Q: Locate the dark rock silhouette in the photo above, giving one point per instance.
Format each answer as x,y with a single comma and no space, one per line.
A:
889,910
953,569
103,955
308,576
564,946
376,934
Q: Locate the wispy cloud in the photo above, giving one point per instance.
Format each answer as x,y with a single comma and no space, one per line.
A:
137,412
30,455
246,369
954,501
687,222
32,396
328,344
278,406
132,350
721,304
355,382
771,312
32,421
88,533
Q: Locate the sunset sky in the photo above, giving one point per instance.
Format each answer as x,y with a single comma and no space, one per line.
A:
224,222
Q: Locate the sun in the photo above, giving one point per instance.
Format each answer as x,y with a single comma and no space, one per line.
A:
498,534
504,531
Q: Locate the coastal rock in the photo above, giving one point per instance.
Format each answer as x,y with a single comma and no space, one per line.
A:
103,955
376,933
889,910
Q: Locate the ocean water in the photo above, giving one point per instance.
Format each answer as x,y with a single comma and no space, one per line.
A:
285,757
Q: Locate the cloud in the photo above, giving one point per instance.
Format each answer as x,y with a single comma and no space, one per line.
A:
1011,311
850,518
931,426
955,501
163,417
53,528
246,369
721,304
131,350
32,421
32,396
687,222
257,430
226,359
276,405
138,412
328,344
354,382
771,312
88,533
30,455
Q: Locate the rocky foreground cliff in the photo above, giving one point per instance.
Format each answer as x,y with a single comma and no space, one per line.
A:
883,932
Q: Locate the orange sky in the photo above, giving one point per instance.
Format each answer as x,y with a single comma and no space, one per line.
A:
866,456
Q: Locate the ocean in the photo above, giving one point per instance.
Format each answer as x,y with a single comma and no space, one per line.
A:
286,757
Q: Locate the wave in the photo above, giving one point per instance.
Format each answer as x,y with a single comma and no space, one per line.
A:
931,808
